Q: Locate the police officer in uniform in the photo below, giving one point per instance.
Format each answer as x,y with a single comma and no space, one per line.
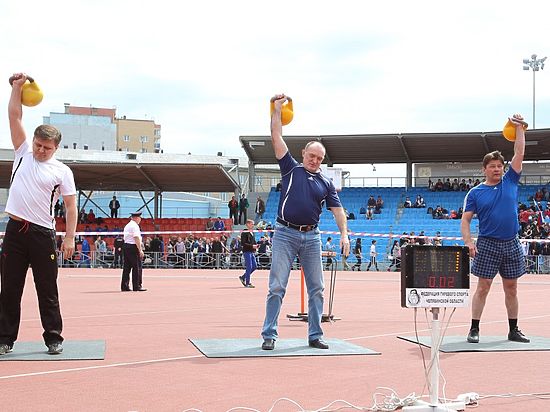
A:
133,255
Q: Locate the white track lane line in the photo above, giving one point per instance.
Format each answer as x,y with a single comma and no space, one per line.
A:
151,361
88,368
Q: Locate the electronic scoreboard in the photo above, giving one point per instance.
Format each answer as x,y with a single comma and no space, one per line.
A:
435,276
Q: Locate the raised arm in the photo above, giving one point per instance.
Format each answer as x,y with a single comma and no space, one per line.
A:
15,110
279,145
519,144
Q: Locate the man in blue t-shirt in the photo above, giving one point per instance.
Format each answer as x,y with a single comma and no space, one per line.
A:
304,191
498,248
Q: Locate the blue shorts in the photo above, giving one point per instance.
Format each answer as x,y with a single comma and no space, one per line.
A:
503,256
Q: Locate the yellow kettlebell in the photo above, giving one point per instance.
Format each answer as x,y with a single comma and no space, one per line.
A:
31,95
287,111
509,130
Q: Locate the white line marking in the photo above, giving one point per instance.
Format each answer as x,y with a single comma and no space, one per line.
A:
87,368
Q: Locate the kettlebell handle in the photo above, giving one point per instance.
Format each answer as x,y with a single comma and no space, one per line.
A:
29,78
288,98
522,122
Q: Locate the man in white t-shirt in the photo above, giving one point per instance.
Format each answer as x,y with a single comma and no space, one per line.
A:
133,255
373,256
37,181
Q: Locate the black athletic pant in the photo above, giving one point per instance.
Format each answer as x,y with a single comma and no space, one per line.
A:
372,262
242,214
29,244
132,262
234,214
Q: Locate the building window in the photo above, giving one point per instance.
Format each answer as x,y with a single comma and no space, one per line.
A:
126,138
143,139
143,150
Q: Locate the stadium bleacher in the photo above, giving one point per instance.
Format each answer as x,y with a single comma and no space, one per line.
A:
395,219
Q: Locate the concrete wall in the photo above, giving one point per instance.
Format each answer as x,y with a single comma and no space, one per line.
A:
140,135
97,132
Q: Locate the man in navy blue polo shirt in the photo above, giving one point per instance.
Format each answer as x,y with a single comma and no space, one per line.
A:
304,191
497,248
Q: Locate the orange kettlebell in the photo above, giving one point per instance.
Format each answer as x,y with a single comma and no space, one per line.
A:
287,111
509,130
31,95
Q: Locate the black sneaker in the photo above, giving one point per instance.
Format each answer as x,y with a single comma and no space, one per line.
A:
473,335
5,348
318,343
268,344
241,278
55,348
250,285
516,335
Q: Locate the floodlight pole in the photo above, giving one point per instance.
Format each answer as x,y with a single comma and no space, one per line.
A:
535,65
534,104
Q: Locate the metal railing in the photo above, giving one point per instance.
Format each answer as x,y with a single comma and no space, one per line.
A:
541,180
535,264
374,182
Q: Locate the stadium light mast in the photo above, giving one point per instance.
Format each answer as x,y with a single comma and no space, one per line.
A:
535,65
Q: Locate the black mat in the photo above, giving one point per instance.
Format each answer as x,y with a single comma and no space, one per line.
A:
486,344
72,350
246,348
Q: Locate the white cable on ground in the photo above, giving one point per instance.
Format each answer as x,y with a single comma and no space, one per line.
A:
387,402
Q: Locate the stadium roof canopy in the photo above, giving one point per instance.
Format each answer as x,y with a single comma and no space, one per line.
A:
403,148
154,177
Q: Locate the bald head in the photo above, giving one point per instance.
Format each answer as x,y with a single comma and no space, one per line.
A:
313,155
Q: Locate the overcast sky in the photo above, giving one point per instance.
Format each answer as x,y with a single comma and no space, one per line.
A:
206,70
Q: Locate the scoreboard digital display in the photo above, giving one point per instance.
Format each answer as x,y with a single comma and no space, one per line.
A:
435,276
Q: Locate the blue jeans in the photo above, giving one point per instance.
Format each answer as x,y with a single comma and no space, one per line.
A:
250,265
287,243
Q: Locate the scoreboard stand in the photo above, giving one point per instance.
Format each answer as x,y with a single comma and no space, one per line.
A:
435,277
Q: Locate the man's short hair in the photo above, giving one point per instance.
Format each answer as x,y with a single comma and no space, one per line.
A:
47,132
496,155
311,143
